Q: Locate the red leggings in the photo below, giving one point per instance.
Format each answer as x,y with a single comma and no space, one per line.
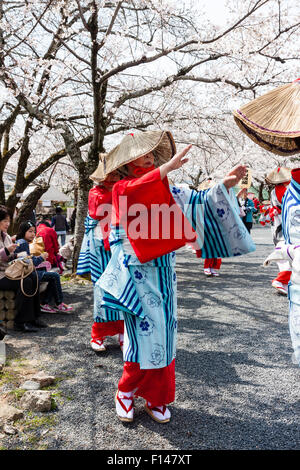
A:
109,328
283,277
214,263
154,385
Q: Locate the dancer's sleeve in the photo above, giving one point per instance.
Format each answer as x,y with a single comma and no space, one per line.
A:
291,224
214,215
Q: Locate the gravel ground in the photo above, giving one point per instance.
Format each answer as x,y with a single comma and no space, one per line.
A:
236,385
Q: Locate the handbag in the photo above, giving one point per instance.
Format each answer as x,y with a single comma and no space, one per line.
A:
242,212
19,269
37,247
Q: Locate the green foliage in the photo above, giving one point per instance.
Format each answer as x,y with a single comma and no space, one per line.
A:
17,393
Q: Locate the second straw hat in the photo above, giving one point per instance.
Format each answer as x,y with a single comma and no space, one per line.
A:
99,174
206,184
279,175
137,144
273,120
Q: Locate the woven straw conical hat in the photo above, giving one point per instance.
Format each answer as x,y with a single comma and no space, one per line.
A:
279,175
207,184
273,120
99,174
135,145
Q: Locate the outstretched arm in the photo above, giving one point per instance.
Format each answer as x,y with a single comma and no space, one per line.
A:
176,162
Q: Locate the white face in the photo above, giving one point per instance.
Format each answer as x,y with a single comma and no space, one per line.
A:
30,234
4,224
145,161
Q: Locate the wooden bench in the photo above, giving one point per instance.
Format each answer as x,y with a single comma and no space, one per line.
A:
8,306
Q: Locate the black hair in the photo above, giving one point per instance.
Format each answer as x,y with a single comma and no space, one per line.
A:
24,226
58,210
4,212
44,221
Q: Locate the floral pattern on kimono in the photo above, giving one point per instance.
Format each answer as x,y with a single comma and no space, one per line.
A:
147,293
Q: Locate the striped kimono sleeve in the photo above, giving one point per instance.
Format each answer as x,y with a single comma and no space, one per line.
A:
84,260
291,213
214,215
93,257
291,233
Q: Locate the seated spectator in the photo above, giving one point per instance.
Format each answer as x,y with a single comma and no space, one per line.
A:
28,308
66,251
54,291
49,237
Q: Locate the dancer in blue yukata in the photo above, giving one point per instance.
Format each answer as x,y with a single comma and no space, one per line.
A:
289,251
95,255
140,277
272,121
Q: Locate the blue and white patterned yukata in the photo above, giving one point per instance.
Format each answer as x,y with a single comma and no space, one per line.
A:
93,259
291,233
146,293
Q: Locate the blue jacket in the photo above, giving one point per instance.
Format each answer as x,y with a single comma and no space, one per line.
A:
250,209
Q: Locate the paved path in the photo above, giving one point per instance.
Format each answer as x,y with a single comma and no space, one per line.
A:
236,385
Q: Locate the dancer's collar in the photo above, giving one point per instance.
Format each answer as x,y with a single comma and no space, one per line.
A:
138,171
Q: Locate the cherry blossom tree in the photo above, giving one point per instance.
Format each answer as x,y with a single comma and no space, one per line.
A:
79,74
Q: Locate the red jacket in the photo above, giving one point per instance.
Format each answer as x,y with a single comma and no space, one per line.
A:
98,196
50,241
149,190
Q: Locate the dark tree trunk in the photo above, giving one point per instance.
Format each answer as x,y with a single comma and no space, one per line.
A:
28,206
260,191
84,185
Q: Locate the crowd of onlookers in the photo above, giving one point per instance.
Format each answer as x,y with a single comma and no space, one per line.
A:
44,241
252,210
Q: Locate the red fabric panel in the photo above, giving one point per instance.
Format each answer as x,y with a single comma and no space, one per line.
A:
147,190
110,328
280,189
97,196
296,175
283,277
214,263
154,385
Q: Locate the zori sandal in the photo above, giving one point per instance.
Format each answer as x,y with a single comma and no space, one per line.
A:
160,414
124,411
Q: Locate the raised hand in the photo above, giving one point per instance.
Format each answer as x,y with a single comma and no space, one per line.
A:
176,162
234,176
